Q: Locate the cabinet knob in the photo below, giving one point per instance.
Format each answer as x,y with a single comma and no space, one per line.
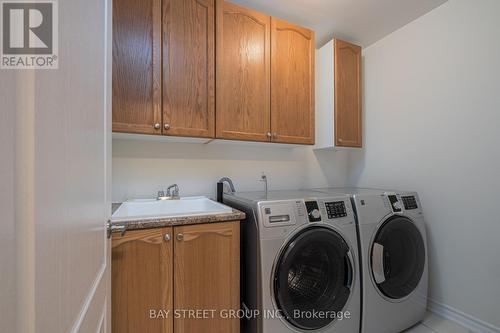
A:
340,140
157,126
180,237
275,135
268,134
166,126
167,237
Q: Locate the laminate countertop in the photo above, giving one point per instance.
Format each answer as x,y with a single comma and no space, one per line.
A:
149,223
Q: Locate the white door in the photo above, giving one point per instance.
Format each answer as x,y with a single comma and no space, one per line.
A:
56,129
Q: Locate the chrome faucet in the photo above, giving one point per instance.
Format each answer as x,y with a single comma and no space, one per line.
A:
171,195
175,193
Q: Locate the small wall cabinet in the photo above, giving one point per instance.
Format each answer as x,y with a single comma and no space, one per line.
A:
174,269
338,96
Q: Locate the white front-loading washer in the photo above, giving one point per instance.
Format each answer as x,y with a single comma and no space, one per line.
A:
394,265
299,262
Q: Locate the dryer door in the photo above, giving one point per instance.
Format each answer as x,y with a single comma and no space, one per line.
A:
314,274
397,257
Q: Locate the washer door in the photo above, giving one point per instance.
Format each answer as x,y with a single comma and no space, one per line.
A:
314,273
397,257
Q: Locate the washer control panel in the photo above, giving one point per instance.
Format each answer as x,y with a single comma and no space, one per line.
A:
335,209
328,209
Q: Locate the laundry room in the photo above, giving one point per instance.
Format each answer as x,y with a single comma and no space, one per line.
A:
253,166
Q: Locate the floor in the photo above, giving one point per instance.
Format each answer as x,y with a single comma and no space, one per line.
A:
435,324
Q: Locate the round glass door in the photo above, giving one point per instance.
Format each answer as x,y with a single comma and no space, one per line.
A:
397,257
313,274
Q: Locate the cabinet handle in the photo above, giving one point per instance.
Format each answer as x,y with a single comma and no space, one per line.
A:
180,237
167,237
157,126
166,126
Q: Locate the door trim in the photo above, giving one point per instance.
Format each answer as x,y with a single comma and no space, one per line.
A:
90,297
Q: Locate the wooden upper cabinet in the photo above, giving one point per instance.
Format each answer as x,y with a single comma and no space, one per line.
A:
211,69
188,68
348,128
243,73
292,83
142,270
136,66
206,275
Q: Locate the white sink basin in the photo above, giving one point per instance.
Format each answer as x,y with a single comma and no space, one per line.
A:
187,206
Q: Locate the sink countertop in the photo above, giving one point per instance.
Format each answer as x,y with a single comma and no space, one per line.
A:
148,222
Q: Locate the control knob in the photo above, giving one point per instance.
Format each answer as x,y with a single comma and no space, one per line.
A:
396,205
315,214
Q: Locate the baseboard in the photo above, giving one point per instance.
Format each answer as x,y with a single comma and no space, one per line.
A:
468,321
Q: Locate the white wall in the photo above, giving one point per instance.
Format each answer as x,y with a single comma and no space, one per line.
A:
432,109
141,168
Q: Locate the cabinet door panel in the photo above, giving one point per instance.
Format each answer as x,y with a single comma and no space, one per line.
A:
136,66
188,68
348,128
206,268
292,85
141,281
243,73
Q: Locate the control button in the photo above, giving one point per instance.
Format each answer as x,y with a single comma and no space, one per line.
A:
396,205
410,202
336,209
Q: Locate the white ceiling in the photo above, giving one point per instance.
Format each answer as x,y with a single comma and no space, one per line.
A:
359,21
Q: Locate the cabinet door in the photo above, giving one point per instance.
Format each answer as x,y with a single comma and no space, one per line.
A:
206,268
292,83
188,68
136,66
142,281
348,128
243,73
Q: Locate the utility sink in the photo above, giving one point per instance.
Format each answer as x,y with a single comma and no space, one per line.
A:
151,208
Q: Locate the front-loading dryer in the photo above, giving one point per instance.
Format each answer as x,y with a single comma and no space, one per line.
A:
393,248
300,265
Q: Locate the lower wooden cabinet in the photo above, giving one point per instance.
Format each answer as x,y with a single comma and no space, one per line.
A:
159,275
